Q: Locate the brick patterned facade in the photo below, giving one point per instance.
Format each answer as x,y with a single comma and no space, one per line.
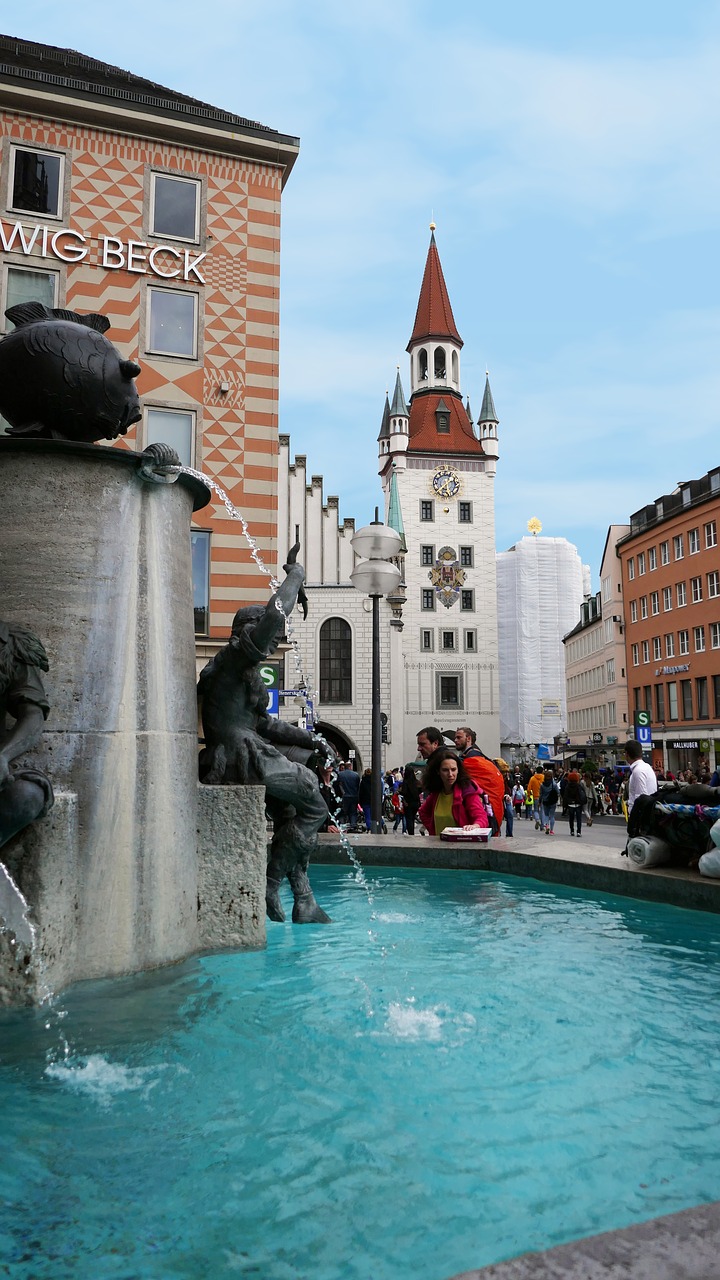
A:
230,384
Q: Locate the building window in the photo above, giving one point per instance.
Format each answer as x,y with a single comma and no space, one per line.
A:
646,650
466,557
467,601
641,563
693,541
631,568
647,691
683,643
711,534
448,640
170,426
465,512
633,610
652,559
670,645
611,670
428,598
448,691
612,713
36,181
699,639
657,648
427,554
660,702
664,552
636,655
335,661
426,640
175,207
696,589
678,546
470,639
654,602
686,699
200,549
713,581
427,509
439,363
701,694
22,285
643,607
672,700
172,322
443,424
715,635
667,599
681,595
716,696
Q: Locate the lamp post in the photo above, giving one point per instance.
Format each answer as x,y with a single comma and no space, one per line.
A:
374,576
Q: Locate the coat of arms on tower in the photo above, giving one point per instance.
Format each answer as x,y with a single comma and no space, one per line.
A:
447,577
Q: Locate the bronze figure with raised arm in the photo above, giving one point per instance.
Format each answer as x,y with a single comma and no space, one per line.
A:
244,745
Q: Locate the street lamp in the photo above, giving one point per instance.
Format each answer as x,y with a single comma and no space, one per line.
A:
374,576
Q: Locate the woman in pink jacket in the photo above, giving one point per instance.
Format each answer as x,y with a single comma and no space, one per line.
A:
453,799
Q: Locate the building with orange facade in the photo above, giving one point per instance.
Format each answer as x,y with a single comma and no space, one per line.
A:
122,197
671,592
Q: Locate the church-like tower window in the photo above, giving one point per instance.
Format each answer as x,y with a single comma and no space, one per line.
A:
443,423
440,363
422,365
455,368
335,661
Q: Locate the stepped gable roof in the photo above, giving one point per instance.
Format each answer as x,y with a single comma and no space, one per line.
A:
398,408
424,437
487,411
77,74
434,317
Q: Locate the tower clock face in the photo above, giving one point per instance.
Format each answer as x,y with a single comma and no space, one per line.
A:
446,483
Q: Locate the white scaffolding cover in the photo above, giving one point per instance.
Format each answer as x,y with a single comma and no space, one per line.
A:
539,594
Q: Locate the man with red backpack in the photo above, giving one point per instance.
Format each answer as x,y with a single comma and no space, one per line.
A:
483,771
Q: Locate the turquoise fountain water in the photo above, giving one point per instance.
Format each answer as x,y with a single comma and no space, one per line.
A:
502,1067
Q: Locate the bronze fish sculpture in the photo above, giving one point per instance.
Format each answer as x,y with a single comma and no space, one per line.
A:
61,379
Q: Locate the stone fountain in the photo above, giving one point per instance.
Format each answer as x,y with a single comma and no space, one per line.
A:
135,865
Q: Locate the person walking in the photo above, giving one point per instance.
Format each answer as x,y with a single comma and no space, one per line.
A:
365,797
548,801
528,803
518,798
452,798
574,801
642,780
410,792
348,782
533,787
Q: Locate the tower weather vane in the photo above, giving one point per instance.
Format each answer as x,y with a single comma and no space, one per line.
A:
534,526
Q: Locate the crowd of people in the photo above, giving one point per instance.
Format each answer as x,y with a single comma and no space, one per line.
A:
459,786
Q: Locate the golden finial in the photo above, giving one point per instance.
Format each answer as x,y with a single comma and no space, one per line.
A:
534,526
432,226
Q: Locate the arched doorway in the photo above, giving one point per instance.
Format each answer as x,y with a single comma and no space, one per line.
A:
341,743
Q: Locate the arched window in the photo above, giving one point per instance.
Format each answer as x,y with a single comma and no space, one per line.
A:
455,367
422,365
335,661
440,363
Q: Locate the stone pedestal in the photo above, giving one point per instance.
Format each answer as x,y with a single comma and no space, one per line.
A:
232,861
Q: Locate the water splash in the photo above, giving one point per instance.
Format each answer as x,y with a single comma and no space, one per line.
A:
97,1077
14,912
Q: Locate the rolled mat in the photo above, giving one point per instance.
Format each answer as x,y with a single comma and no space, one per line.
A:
648,851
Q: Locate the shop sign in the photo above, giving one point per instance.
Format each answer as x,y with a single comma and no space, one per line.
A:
110,252
684,746
672,671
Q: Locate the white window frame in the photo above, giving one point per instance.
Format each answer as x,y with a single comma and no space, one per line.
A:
631,568
654,603
641,564
652,559
681,594
667,599
683,643
696,589
173,412
158,351
36,269
670,645
645,651
710,534
713,584
643,608
173,235
664,552
715,635
43,151
657,648
635,653
678,548
633,611
699,639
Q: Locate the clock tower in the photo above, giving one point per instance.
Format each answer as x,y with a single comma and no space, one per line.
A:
439,470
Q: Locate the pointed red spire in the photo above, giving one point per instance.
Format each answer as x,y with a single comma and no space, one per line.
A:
434,317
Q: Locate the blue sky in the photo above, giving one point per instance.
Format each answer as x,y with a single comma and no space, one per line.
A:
568,154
